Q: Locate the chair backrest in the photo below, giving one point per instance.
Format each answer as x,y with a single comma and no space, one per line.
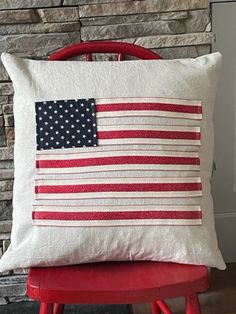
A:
88,48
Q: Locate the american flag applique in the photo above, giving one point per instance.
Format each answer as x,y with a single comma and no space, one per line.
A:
118,162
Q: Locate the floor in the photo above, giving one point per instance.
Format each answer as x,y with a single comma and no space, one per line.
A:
220,299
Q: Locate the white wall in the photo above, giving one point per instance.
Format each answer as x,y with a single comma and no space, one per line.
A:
224,180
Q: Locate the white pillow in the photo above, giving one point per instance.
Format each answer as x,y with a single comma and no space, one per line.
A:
137,190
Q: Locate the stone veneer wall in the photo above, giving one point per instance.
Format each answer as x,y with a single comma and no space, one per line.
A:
36,28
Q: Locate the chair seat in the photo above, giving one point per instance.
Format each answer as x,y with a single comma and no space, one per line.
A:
115,282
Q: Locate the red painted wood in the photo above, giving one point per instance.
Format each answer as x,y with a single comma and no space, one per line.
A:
103,47
58,308
192,305
46,308
115,282
155,308
163,306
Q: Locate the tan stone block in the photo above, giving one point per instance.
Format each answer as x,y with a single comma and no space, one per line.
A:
59,14
18,16
135,7
131,30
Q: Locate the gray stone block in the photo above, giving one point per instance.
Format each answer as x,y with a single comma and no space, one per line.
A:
134,18
5,236
21,4
39,28
131,30
6,164
3,73
5,210
6,174
6,195
37,45
197,21
3,100
135,7
59,15
163,41
79,2
6,185
6,88
11,286
7,109
3,140
5,226
18,16
8,120
6,153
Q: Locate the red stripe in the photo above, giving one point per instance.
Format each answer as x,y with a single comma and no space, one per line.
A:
177,135
116,215
101,161
118,187
149,106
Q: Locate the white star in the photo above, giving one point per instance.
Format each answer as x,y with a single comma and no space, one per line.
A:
89,141
94,135
92,104
57,132
41,129
68,142
40,118
72,126
45,112
46,123
46,133
89,130
57,143
51,127
41,139
67,121
46,144
88,120
56,122
62,137
94,124
52,138
82,114
71,105
78,141
82,105
72,116
55,111
50,117
62,126
84,136
66,110
50,107
78,131
67,131
83,125
93,114
73,136
60,106
39,108
61,116
87,109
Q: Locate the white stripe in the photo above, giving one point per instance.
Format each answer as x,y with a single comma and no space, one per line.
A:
125,222
72,173
148,141
150,127
100,195
148,113
120,152
145,147
118,180
104,208
175,101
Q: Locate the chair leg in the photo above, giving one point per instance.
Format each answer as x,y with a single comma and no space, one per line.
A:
164,307
155,308
58,308
192,305
46,308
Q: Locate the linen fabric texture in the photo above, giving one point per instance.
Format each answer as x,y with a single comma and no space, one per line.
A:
136,184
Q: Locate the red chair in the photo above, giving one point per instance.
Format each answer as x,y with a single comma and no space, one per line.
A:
115,282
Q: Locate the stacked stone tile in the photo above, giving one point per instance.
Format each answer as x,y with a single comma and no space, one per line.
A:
36,28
